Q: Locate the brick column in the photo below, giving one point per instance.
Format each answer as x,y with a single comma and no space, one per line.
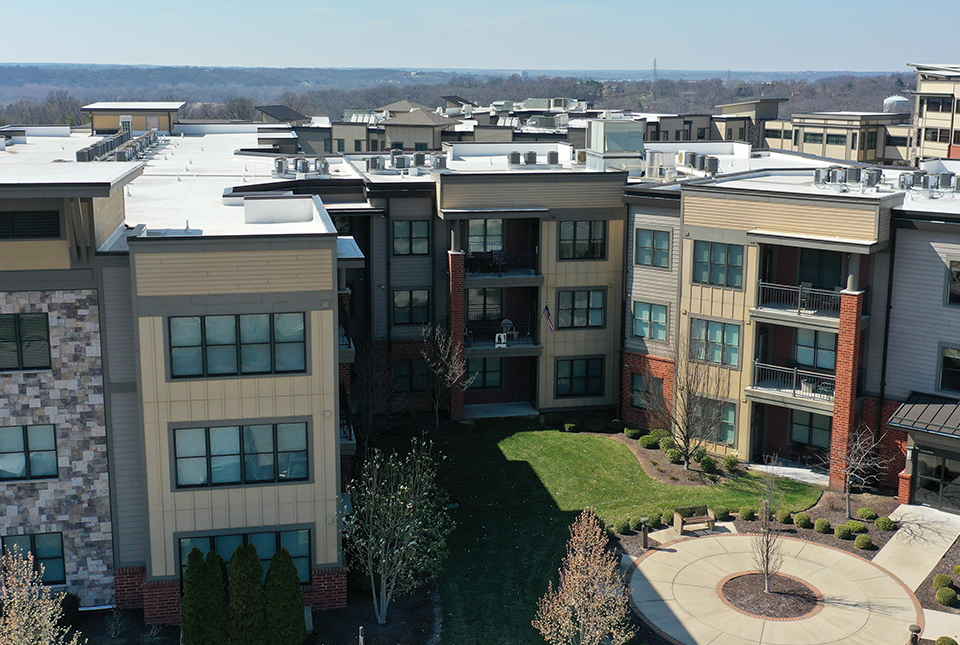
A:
845,393
128,586
903,488
457,322
161,602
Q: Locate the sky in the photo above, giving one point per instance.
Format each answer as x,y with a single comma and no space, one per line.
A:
747,35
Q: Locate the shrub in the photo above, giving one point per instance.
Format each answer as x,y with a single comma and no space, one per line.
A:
597,425
945,640
708,464
649,442
866,513
247,620
217,609
674,455
864,542
946,596
632,433
723,513
69,609
192,612
942,580
571,426
622,527
699,453
660,434
886,524
748,514
617,425
802,520
636,525
667,443
284,601
784,517
552,420
857,527
822,525
667,518
843,531
730,463
956,570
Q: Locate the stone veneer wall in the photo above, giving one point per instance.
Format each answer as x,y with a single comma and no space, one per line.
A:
70,396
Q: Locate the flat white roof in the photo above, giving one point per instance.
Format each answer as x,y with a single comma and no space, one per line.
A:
52,160
159,106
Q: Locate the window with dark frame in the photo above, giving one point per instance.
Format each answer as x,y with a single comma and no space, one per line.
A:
718,264
715,342
810,429
40,225
237,345
579,377
485,304
701,133
642,387
741,134
411,307
239,455
485,235
410,375
894,141
836,139
487,373
420,147
650,320
411,238
583,240
47,550
652,248
580,308
872,140
327,145
816,349
853,140
358,145
950,369
28,452
341,145
813,137
24,342
297,542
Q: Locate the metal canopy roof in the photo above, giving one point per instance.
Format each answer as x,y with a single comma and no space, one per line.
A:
928,413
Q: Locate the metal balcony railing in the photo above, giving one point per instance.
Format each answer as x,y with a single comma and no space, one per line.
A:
498,263
483,333
801,300
794,381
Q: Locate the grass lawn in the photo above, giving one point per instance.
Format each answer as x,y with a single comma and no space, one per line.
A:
518,488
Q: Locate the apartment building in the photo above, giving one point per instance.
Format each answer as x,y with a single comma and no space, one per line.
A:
937,111
865,137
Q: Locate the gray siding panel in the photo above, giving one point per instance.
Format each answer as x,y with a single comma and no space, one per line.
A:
647,284
379,297
118,325
129,477
878,303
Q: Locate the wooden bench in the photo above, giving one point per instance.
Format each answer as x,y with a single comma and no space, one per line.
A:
693,516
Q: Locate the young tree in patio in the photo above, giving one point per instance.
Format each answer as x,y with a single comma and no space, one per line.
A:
446,366
767,551
29,612
862,463
589,606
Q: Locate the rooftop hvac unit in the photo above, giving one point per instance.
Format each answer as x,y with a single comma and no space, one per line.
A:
918,177
419,159
712,165
683,158
905,181
854,174
125,155
303,165
947,180
838,175
513,158
401,161
322,166
374,163
394,153
83,154
930,182
821,175
872,176
530,157
280,165
553,157
690,159
698,163
439,162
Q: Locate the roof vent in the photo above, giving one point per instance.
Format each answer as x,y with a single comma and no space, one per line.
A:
303,165
419,159
854,174
401,161
530,157
280,165
553,157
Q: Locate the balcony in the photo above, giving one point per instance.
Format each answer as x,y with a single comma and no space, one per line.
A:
501,337
793,387
348,352
499,263
798,306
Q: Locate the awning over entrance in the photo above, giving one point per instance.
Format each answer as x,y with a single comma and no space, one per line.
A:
928,413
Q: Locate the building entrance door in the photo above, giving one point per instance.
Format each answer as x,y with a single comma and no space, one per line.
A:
936,479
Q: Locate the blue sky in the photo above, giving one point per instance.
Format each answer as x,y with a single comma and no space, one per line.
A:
770,35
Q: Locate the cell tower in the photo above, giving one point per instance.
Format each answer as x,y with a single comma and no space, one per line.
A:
654,69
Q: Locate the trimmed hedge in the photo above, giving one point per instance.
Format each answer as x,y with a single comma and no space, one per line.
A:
864,542
866,513
886,524
649,442
730,463
571,426
660,434
822,525
708,464
947,596
69,609
942,580
667,443
667,518
945,640
843,532
618,425
802,520
857,527
622,526
632,433
956,570
784,517
699,453
722,513
748,514
674,455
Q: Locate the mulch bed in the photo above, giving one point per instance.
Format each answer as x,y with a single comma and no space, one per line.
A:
659,468
411,620
925,592
788,597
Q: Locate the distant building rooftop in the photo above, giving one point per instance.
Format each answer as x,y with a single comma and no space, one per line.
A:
419,117
134,106
282,113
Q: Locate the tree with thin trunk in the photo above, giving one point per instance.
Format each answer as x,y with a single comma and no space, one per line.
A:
29,612
446,366
373,390
590,605
862,463
395,522
695,413
767,551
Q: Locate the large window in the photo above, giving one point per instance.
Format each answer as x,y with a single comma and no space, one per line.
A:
237,345
652,248
822,269
650,320
715,342
714,421
28,452
643,388
411,238
950,369
583,240
718,264
47,550
267,543
813,137
231,455
872,140
810,429
30,226
895,141
410,375
487,372
485,235
836,139
579,377
485,304
24,342
817,349
580,308
411,307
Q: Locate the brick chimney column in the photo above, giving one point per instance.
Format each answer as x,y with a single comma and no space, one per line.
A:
457,321
845,392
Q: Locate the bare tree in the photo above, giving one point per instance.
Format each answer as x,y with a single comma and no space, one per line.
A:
695,413
446,366
862,463
29,612
767,551
294,101
395,525
373,390
589,606
239,108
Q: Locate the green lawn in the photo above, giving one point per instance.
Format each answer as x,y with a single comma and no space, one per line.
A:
518,488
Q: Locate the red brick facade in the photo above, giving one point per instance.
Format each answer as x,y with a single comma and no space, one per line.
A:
647,365
845,393
327,589
346,378
904,487
457,322
128,587
346,471
893,448
161,602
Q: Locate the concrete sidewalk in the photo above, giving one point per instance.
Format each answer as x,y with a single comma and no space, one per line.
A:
924,536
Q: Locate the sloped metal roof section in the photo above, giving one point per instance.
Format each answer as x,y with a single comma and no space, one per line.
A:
928,413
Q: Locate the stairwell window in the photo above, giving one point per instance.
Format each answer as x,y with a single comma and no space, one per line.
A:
718,264
650,320
28,452
411,307
652,248
411,238
24,342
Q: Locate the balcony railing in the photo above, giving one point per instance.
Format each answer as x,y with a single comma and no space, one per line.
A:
794,381
483,333
803,301
344,337
498,263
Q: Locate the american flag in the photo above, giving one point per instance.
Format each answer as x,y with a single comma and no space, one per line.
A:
546,312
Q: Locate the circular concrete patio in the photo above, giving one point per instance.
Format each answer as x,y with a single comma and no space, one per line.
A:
675,590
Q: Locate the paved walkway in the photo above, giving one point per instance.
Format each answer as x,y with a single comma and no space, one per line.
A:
675,588
924,536
497,410
791,471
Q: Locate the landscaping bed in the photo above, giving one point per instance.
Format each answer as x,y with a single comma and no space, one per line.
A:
411,620
926,594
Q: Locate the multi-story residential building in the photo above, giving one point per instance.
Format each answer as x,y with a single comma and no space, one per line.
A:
937,112
865,137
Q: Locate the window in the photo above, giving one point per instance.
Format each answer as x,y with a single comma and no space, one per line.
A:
836,139
786,135
410,375
341,145
650,320
701,133
411,238
267,543
397,145
485,235
231,455
729,133
686,135
358,145
810,429
812,137
665,135
822,269
872,140
327,145
47,550
853,140
24,342
652,248
420,147
485,304
488,373
580,309
956,137
677,135
899,142
642,387
817,349
374,145
772,134
583,240
411,307
237,345
796,137
30,226
718,264
715,342
28,452
741,134
950,369
580,377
